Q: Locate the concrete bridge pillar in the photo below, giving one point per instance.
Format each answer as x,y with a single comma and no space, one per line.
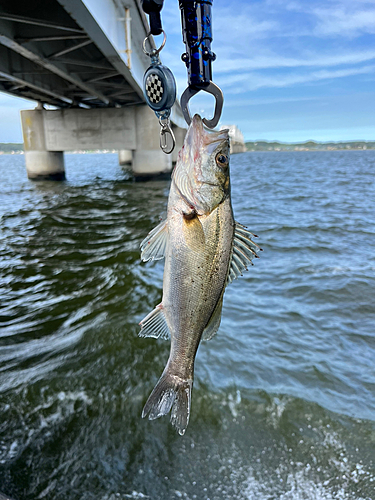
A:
125,156
40,163
148,158
179,134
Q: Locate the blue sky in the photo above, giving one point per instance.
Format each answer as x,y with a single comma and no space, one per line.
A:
289,70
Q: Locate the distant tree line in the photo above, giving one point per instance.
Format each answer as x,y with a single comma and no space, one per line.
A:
307,146
8,147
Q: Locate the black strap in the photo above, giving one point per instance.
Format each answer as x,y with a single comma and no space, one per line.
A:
153,8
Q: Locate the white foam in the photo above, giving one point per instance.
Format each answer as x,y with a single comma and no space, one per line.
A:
64,409
121,496
298,487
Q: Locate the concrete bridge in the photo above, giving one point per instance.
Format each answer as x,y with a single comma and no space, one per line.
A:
237,143
85,58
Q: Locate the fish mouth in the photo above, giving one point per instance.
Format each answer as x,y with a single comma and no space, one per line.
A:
197,135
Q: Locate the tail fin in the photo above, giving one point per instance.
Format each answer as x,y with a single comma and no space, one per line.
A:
170,392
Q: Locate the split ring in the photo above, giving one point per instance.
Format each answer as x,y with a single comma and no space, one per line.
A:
154,51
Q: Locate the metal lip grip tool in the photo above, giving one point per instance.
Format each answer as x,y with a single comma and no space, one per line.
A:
197,36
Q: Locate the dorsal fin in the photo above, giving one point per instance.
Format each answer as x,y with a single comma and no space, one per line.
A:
244,250
154,246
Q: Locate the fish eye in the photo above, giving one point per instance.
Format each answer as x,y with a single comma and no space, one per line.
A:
222,160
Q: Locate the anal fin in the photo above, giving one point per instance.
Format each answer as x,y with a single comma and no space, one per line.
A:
155,325
214,323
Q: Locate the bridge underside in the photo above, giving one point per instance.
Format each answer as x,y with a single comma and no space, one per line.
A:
84,57
48,55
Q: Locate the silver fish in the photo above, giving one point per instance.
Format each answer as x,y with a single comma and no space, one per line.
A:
204,250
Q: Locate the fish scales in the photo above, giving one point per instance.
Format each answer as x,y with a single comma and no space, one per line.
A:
204,250
195,281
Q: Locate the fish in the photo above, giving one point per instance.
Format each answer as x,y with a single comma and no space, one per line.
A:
204,250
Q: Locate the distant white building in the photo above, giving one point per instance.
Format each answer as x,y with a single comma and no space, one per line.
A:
237,143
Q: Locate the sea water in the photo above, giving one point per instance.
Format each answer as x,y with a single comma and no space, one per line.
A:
284,395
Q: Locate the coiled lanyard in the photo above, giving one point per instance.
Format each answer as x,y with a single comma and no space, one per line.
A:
159,89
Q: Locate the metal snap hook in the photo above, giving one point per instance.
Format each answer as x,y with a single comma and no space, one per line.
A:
166,131
211,88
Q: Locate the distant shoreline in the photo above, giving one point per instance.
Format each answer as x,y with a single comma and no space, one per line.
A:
309,146
252,146
17,149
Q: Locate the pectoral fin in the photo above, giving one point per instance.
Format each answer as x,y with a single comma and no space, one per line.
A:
154,245
244,250
193,233
214,323
155,324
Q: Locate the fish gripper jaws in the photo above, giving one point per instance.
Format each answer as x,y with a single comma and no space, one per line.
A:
211,88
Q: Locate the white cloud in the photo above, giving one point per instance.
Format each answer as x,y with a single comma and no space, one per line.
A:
252,81
344,21
326,18
272,60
